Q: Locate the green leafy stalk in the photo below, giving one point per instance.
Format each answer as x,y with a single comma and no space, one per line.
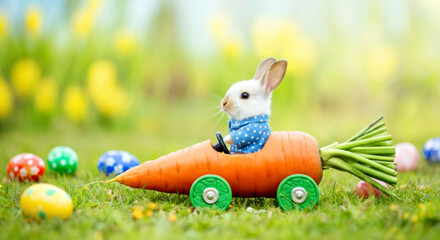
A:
367,155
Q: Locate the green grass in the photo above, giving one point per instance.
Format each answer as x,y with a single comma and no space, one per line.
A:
104,211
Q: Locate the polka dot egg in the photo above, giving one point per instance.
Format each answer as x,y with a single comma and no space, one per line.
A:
116,162
431,150
26,166
43,200
63,160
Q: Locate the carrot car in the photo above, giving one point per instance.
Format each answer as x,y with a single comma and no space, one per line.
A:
288,168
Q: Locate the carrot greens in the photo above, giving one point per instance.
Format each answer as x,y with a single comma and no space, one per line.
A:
368,154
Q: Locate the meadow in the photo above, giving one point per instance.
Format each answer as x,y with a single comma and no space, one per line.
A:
82,74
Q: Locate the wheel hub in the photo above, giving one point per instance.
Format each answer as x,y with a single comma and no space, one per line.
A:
299,195
210,195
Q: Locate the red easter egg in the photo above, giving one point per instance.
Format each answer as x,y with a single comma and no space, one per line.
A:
364,189
26,166
407,157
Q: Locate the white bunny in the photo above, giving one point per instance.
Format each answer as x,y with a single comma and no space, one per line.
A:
248,102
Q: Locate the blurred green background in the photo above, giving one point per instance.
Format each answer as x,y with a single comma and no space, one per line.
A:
157,69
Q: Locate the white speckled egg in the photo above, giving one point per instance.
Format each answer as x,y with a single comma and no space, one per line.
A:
44,200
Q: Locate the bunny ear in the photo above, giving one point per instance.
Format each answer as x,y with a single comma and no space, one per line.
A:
263,67
273,77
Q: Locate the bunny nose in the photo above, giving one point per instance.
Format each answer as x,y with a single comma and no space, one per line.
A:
224,103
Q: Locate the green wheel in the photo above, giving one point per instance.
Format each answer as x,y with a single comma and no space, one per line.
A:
211,191
297,190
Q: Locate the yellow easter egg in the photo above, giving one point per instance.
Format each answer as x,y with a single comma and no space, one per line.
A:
44,200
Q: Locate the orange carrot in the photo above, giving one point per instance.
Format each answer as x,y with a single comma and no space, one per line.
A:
249,175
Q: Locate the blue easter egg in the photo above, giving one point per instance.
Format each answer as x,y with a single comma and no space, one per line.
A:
431,150
116,162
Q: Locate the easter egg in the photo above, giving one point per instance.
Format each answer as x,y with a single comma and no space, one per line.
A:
407,157
26,166
43,200
363,189
63,160
116,162
431,150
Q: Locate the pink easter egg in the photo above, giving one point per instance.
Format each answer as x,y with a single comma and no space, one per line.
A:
407,157
363,189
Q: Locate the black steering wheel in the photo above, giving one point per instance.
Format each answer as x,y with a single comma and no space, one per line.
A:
220,146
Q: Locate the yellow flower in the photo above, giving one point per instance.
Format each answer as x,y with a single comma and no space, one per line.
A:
393,207
415,218
5,99
33,22
101,74
232,48
24,75
152,206
281,38
3,26
110,99
75,104
172,217
46,95
148,213
82,23
137,212
302,56
270,36
381,63
125,43
219,27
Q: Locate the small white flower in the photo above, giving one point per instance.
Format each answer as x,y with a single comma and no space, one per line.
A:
58,155
261,143
236,138
63,162
258,138
239,133
112,153
12,175
247,129
16,169
118,169
245,135
110,161
28,155
71,162
34,170
23,172
30,162
255,131
252,137
16,159
126,158
41,163
54,165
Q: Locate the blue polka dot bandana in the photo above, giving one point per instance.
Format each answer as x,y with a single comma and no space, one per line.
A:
249,135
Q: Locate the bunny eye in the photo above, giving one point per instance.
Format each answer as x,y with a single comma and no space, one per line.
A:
244,95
